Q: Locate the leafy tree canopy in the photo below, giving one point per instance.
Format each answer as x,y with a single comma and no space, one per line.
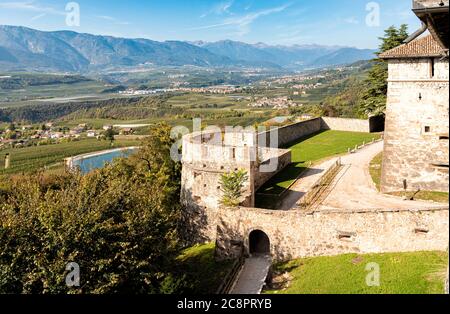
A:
120,224
374,96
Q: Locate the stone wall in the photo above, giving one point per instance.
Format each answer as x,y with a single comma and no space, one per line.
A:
274,161
416,148
291,133
206,157
295,234
351,125
209,154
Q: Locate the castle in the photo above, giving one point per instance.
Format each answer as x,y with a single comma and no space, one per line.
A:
415,157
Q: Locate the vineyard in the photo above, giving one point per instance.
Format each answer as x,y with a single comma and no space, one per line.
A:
33,158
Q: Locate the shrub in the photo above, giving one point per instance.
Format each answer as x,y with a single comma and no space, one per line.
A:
231,185
119,223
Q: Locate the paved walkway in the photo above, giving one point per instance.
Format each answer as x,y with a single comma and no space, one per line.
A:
353,188
304,184
253,275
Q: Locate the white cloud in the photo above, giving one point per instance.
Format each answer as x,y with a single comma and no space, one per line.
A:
224,7
220,9
32,6
112,19
243,23
37,17
351,20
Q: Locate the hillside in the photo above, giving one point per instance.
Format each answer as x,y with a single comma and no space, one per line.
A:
297,57
25,49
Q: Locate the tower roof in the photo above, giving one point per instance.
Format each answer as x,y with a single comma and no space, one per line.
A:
421,47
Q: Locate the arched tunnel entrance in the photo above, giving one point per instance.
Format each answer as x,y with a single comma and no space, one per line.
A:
259,243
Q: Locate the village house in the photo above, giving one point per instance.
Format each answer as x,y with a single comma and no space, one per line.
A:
126,131
91,133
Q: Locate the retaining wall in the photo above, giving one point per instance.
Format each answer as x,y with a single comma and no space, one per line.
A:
295,234
351,125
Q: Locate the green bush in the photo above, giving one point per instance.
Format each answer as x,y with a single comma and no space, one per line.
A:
231,185
119,223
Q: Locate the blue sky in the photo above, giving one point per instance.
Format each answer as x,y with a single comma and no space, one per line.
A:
285,22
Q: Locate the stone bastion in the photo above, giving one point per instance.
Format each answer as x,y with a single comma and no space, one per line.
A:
292,233
207,155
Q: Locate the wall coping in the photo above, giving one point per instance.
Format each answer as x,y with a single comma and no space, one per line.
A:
334,211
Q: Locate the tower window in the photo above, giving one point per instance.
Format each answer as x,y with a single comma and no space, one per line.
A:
427,129
432,67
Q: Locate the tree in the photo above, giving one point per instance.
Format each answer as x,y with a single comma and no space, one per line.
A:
120,224
11,127
231,185
109,134
374,96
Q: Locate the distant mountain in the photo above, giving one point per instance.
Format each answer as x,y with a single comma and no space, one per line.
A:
298,56
345,56
25,49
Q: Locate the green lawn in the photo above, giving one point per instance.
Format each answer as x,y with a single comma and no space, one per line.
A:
201,270
309,150
400,273
33,158
375,172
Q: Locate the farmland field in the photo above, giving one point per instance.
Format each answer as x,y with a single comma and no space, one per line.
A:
81,91
32,158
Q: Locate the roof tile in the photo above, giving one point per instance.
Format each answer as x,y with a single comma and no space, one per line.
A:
422,47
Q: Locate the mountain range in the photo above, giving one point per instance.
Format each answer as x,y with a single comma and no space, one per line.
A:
25,49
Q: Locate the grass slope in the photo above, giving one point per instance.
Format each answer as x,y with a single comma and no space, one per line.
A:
400,273
201,269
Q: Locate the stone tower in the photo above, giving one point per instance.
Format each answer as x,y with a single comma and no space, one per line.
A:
416,152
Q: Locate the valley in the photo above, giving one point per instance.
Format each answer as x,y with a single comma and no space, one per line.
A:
41,114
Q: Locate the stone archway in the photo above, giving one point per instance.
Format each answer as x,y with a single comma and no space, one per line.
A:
259,243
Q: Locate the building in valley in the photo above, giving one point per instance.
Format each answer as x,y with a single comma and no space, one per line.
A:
416,152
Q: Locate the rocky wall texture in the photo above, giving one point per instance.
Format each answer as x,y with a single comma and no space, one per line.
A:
416,152
350,125
295,234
